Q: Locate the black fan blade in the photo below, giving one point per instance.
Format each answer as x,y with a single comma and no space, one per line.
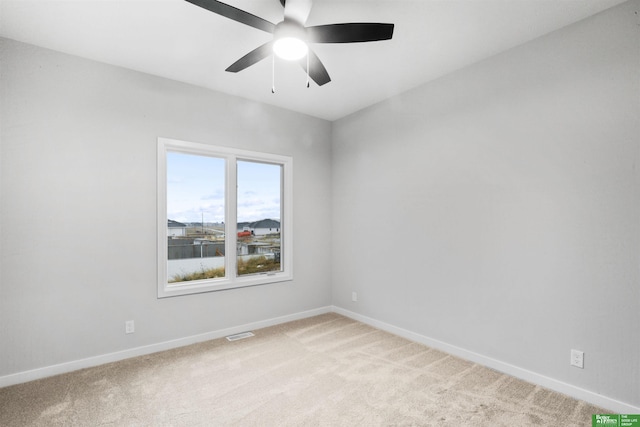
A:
235,14
317,72
256,55
350,33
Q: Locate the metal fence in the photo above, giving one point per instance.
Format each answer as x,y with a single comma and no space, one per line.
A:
182,251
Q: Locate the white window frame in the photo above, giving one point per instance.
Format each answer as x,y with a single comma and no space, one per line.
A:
232,280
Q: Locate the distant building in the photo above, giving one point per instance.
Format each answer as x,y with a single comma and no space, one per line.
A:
260,228
176,229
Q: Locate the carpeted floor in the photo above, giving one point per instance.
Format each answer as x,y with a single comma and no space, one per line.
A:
327,370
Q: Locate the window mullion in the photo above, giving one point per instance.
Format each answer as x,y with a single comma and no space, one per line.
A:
231,226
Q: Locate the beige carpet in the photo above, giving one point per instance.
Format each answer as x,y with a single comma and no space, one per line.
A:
323,371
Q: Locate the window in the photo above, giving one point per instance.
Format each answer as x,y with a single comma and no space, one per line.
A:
224,218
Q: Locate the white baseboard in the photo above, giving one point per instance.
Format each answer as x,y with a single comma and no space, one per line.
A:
62,368
615,406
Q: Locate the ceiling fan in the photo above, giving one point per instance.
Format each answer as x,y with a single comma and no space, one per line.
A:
291,36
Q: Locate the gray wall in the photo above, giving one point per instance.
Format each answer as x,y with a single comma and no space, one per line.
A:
506,199
78,152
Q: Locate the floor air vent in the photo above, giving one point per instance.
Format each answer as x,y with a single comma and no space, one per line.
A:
240,336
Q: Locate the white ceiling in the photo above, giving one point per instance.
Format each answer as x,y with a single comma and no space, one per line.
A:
180,41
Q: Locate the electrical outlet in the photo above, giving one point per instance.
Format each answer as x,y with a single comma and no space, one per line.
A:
129,327
577,359
354,296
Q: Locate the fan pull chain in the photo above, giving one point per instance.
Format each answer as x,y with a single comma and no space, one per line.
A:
307,70
273,74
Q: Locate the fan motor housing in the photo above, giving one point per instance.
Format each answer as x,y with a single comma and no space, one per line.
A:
290,29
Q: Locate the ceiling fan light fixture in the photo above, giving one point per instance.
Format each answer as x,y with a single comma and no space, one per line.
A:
290,40
290,48
290,37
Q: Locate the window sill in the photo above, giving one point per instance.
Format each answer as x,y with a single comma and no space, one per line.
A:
214,285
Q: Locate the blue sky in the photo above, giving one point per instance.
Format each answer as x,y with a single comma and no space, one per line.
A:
195,187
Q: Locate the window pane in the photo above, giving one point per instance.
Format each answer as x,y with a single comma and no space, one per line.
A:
259,214
195,213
